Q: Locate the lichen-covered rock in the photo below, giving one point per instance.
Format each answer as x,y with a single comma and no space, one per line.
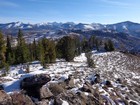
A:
45,92
33,84
56,88
43,102
5,99
70,82
79,98
21,99
36,80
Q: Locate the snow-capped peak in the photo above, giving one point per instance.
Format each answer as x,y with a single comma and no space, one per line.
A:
87,26
17,24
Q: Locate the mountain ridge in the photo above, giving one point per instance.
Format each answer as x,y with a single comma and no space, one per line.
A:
128,27
126,34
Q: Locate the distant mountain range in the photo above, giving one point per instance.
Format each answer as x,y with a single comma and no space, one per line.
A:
128,27
126,35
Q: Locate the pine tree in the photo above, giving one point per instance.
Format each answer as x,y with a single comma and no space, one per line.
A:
106,46
34,48
2,51
85,45
78,45
70,48
66,48
7,67
90,61
92,42
60,48
9,52
22,51
97,44
52,52
49,50
31,52
111,45
40,52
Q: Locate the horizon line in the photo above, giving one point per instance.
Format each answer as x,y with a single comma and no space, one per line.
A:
68,22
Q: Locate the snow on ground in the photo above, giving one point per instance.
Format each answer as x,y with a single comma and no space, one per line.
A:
80,58
109,65
60,68
65,102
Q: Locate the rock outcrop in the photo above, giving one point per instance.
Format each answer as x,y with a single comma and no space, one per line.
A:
33,84
5,99
45,92
21,99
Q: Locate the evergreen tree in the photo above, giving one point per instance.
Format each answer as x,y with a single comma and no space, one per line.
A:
60,48
111,45
70,48
40,52
66,48
106,46
78,46
31,52
34,48
9,52
92,42
97,44
52,52
22,51
90,61
85,45
7,67
2,51
46,46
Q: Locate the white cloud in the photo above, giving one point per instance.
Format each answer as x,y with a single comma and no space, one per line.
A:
4,3
43,1
116,2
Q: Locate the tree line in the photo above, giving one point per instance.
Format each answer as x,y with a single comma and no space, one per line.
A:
46,50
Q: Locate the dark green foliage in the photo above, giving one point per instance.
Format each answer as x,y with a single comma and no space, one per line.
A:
97,44
40,52
7,67
70,48
46,46
2,51
46,51
92,41
49,50
52,52
34,48
10,59
60,48
85,45
22,51
31,52
66,48
90,61
109,46
106,46
78,46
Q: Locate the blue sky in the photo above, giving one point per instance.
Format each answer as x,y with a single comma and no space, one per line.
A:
84,11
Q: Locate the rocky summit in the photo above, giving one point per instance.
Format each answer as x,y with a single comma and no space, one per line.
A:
110,82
